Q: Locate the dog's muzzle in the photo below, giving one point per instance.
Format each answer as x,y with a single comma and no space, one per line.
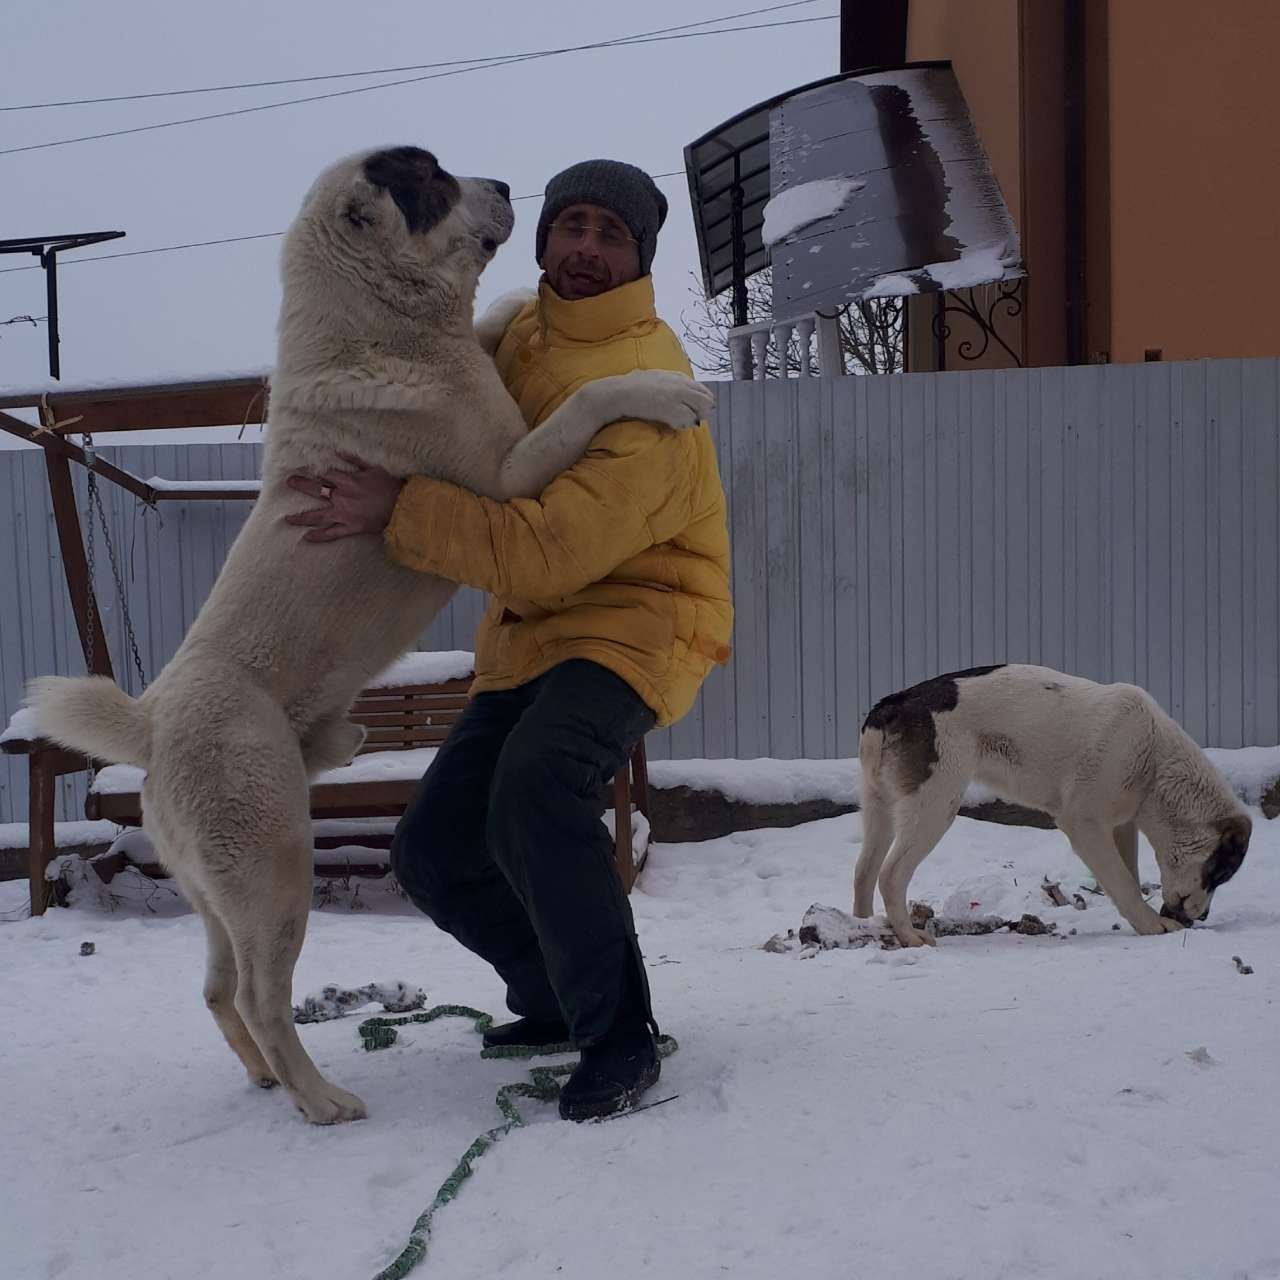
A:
1178,912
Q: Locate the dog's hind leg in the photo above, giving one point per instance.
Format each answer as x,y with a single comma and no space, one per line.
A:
250,851
220,989
877,836
263,896
174,846
921,820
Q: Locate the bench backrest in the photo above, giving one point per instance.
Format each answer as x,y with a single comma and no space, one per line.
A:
406,716
397,718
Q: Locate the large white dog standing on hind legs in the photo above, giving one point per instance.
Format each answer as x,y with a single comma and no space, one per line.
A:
378,358
1104,761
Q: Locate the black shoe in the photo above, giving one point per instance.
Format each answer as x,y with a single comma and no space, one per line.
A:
529,1033
612,1075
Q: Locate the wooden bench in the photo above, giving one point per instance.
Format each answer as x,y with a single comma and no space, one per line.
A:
379,783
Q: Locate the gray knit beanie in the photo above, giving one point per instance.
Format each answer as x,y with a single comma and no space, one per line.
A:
628,191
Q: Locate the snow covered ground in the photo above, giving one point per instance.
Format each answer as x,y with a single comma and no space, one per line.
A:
1096,1105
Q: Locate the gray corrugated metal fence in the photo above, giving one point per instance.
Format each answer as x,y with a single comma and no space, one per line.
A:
1121,522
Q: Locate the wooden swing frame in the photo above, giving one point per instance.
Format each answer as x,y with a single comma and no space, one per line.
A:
182,406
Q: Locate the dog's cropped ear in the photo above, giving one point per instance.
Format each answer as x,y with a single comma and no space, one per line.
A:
411,176
1225,860
359,213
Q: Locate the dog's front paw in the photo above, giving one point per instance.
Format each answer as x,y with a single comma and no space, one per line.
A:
1152,925
914,938
909,936
658,395
499,315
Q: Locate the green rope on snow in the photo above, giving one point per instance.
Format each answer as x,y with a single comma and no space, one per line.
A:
544,1086
380,1033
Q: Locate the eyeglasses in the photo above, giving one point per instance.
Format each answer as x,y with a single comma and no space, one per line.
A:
608,235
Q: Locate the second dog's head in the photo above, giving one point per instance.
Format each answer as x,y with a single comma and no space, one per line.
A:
1190,873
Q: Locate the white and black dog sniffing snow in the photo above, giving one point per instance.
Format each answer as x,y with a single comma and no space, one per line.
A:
1104,761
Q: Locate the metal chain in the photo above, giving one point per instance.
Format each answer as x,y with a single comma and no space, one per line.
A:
95,508
120,587
91,620
91,605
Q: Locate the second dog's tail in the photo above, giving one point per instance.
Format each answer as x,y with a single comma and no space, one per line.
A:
877,821
91,714
870,744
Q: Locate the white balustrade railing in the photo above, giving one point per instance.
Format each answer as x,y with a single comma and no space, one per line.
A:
752,345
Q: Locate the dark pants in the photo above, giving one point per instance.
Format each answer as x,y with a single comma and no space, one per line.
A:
503,845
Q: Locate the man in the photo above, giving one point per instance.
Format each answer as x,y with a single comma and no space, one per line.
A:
610,606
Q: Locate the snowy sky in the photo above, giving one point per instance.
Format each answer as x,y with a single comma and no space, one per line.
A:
213,310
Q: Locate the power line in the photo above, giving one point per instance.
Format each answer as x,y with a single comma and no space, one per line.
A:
388,71
137,253
263,235
622,42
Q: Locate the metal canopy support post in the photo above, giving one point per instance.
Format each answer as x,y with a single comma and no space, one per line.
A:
49,261
1075,132
46,248
739,249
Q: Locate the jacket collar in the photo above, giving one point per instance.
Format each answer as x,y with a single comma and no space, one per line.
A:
599,319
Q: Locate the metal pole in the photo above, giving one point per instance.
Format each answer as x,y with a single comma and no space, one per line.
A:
939,331
739,248
1074,140
873,33
848,42
49,261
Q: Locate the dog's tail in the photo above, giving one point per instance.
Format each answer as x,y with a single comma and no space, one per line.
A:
870,746
877,822
877,793
91,714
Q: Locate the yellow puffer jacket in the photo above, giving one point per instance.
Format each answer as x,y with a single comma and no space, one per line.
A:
624,559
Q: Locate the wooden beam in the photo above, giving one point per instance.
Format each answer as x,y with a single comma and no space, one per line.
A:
84,604
122,808
640,777
223,402
204,495
622,855
41,844
50,442
60,759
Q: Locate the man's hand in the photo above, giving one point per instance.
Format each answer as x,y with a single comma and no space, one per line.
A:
357,501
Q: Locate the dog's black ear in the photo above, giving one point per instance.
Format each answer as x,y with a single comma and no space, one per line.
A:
423,192
1225,860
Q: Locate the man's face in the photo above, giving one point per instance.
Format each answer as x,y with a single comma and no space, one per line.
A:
590,250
